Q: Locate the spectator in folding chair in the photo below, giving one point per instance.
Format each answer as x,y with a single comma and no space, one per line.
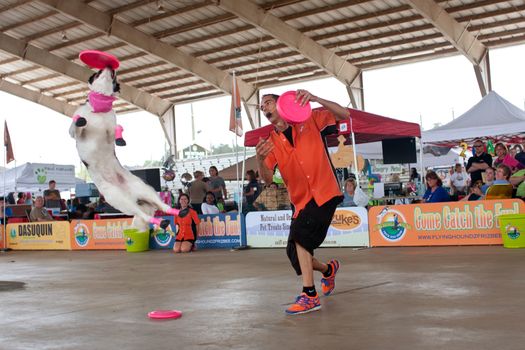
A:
39,213
488,179
501,188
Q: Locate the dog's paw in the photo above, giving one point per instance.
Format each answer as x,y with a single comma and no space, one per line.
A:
164,224
80,122
120,142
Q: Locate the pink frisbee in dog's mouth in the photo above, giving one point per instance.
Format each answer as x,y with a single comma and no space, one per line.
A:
98,59
165,314
292,111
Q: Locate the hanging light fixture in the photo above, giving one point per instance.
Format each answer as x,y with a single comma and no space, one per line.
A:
63,36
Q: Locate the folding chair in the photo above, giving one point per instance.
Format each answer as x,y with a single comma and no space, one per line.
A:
499,192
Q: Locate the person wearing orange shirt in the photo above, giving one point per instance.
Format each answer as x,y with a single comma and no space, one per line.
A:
300,153
185,239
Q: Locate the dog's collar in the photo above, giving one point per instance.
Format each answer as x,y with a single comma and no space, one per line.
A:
100,103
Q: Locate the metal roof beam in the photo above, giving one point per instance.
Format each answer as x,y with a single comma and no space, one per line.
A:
456,33
37,97
60,65
125,32
324,58
459,36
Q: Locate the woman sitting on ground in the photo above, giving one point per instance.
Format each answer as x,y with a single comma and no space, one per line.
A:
185,239
209,206
435,192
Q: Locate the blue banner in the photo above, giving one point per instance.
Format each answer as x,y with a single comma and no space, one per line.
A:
221,231
214,231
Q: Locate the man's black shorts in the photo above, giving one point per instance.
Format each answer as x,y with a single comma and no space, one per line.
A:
309,228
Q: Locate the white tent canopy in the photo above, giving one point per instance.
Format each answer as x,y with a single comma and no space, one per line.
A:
492,117
34,177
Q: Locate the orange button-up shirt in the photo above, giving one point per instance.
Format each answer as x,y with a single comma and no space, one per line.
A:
185,230
306,167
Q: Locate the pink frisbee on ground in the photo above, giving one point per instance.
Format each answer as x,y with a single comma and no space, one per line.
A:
165,314
292,111
98,59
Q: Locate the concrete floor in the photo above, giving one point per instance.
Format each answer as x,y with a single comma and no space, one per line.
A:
386,298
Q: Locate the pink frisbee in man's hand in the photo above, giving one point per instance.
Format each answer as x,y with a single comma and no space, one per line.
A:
292,111
165,314
98,59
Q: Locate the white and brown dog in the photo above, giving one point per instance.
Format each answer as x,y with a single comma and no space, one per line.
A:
96,132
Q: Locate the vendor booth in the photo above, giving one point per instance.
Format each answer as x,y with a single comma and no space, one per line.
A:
367,127
34,177
492,117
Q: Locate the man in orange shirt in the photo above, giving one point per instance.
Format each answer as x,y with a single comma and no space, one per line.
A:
301,154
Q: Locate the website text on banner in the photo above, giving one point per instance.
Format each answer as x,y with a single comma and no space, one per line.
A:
448,223
99,234
270,229
214,231
39,236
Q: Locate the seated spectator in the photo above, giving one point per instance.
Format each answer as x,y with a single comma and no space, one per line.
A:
39,213
514,150
414,175
435,192
353,195
209,206
475,192
503,173
517,181
273,185
21,198
103,206
11,198
501,188
458,182
490,174
89,214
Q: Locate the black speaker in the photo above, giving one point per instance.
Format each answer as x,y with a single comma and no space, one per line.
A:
399,151
149,176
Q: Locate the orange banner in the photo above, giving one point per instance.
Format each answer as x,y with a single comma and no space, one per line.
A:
98,234
2,238
449,223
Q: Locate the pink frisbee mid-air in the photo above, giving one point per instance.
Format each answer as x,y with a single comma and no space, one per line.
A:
292,111
98,59
165,314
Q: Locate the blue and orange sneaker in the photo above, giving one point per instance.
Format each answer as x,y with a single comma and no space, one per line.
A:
304,304
328,283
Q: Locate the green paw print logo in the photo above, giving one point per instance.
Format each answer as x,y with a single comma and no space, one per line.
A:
13,233
41,175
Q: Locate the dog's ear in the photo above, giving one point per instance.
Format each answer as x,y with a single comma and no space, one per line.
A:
92,78
116,87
